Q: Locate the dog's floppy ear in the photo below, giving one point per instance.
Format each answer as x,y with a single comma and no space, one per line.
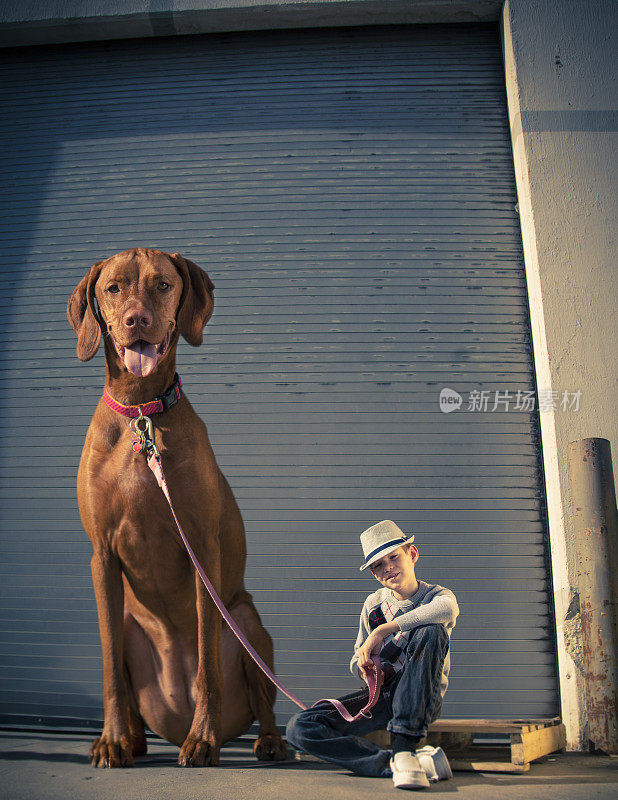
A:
82,315
197,300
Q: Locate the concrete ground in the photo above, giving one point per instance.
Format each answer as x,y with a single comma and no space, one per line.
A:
54,766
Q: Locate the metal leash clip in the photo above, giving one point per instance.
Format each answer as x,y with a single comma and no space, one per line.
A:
144,432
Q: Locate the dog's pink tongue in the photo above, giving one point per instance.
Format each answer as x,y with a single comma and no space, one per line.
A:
140,358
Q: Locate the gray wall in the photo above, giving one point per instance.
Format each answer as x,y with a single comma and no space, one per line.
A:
351,194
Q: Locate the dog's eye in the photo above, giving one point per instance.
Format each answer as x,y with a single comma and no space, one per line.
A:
163,286
113,288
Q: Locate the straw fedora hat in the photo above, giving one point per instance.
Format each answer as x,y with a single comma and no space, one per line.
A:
381,539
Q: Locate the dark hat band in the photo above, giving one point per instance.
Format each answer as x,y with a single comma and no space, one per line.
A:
372,556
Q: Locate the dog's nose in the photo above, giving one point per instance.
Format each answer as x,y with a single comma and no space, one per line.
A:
137,317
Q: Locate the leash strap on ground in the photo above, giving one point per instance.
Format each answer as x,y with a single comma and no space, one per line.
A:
374,678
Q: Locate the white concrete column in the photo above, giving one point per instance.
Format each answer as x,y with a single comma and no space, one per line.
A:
560,68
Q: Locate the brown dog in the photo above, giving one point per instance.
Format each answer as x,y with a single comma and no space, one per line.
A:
166,661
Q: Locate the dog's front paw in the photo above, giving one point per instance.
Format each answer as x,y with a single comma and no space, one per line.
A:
199,752
270,747
107,751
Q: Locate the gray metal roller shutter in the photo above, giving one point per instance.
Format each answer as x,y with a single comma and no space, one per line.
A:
351,194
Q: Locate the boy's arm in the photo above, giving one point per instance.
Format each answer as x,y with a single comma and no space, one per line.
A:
363,633
442,608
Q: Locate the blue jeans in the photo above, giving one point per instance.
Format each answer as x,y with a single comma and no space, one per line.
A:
407,705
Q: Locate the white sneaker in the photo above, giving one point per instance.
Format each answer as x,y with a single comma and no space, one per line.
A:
407,772
434,763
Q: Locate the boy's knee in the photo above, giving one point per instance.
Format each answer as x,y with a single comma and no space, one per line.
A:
432,630
307,726
434,633
293,730
301,728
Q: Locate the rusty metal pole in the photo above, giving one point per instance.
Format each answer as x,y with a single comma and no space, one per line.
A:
596,539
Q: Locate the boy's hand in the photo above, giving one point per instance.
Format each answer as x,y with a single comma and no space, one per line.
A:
372,646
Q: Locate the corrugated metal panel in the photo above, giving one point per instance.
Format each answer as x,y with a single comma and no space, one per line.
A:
351,194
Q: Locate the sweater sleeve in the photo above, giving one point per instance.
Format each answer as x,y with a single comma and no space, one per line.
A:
363,633
442,608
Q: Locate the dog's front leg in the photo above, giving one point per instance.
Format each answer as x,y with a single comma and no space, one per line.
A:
201,747
114,747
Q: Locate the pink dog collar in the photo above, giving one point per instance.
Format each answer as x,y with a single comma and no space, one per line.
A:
156,406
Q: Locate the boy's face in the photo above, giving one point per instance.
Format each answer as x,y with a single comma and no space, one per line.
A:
395,570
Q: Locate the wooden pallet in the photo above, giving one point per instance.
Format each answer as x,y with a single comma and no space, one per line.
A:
529,739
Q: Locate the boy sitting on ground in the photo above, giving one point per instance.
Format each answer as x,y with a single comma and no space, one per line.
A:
407,623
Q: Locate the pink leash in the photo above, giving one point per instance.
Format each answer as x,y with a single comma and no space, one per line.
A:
154,462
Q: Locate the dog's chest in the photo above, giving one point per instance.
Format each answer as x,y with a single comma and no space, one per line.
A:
143,533
120,496
114,480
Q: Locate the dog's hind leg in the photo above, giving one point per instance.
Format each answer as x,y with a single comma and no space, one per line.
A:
269,746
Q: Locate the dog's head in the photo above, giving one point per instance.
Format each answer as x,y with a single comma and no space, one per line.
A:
142,300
